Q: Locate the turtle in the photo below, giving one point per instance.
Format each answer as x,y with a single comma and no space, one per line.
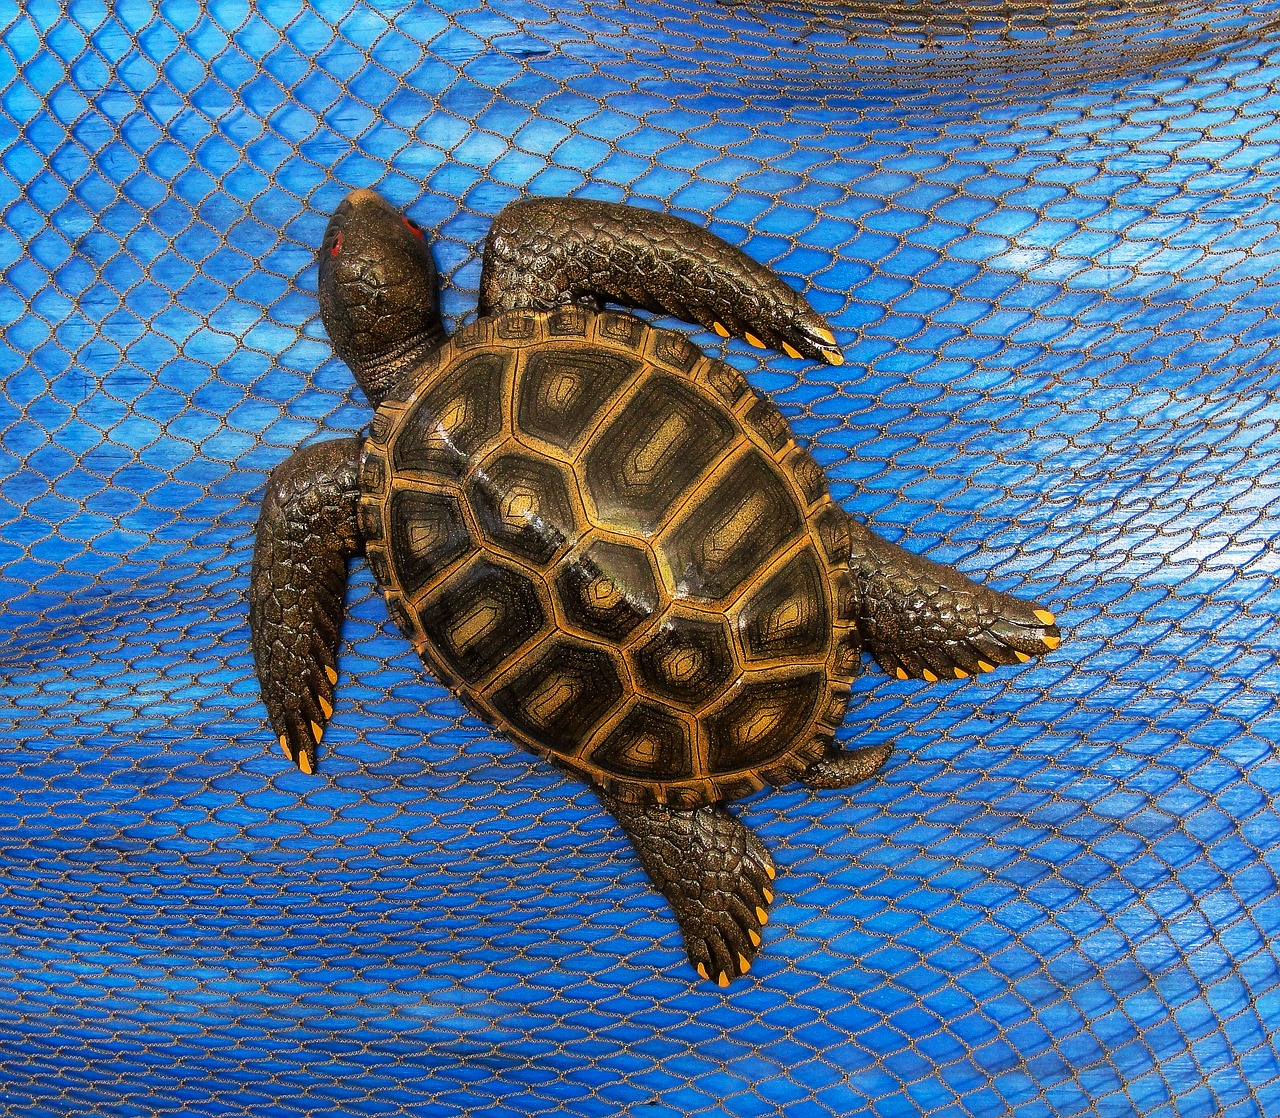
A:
606,543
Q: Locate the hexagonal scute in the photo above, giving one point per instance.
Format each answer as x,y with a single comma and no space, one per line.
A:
448,425
522,503
609,588
559,700
649,743
652,452
765,720
428,532
564,388
689,660
737,526
788,615
480,615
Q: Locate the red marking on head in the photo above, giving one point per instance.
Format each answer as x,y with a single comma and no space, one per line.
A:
337,245
412,226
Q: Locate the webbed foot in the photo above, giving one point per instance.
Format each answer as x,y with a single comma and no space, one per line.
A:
307,531
714,872
541,252
923,620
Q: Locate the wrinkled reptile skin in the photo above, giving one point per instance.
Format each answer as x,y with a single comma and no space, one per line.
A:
379,300
843,768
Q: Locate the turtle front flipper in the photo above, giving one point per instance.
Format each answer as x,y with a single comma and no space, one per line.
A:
922,620
542,252
307,531
716,875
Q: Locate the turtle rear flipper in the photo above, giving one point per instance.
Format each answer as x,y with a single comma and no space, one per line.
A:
541,252
923,620
306,533
716,875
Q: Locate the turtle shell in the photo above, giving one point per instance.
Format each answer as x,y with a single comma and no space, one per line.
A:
612,549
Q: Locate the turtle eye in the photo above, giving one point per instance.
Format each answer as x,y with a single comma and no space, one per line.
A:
412,226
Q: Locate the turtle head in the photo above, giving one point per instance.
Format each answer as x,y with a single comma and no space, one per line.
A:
379,300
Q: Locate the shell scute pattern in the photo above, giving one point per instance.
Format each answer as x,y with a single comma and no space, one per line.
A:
650,453
613,549
429,534
481,615
562,694
523,504
745,513
559,398
650,743
455,419
687,662
787,616
608,588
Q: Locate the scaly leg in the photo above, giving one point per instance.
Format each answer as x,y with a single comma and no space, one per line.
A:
716,875
307,531
542,252
922,620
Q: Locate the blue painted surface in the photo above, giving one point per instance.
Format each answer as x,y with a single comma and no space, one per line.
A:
1058,314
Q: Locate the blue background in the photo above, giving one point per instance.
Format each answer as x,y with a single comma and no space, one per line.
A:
1060,899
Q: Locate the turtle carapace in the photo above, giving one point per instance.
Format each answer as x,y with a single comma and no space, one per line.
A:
606,543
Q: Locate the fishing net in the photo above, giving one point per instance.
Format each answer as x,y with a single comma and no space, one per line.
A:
1049,239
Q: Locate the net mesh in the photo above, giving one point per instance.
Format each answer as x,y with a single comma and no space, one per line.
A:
1047,235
